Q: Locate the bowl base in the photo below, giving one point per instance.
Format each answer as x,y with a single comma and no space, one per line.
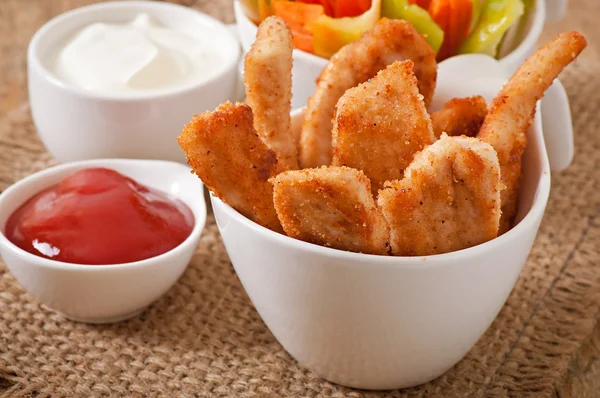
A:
366,383
100,321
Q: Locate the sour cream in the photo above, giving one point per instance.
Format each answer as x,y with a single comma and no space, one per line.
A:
137,56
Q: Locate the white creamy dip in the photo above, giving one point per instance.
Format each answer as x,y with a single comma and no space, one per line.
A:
138,56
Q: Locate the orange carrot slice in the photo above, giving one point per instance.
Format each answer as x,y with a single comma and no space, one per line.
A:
350,8
440,12
299,18
328,5
460,22
454,17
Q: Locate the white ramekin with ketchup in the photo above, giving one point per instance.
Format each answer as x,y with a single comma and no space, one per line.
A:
100,240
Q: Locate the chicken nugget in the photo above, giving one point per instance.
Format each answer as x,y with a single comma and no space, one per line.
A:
512,111
460,116
228,156
330,206
448,200
381,124
268,81
355,63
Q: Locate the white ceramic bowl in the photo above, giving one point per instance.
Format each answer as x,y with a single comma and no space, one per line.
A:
307,67
377,322
77,124
106,293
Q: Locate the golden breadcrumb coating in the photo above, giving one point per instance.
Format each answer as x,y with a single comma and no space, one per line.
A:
268,81
380,125
231,160
460,116
330,206
512,111
448,200
386,42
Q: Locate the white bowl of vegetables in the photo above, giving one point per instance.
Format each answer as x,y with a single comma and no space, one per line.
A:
505,29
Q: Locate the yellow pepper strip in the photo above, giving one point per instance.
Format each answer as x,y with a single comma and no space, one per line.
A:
331,34
478,6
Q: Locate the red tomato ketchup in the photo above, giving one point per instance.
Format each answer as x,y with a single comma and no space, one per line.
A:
98,216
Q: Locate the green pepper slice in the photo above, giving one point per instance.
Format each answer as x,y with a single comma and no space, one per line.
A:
420,18
496,18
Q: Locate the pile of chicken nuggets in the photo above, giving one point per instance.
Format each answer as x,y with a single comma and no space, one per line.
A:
371,171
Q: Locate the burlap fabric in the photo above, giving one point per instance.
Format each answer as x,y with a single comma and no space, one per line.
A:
204,337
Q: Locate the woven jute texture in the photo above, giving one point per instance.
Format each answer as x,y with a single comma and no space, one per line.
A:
204,337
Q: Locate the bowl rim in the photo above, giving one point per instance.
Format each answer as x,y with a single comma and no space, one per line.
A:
533,216
34,60
198,208
526,44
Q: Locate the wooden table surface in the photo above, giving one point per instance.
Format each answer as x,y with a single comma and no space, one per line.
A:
19,19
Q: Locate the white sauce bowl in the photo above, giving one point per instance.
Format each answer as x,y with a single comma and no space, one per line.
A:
103,293
77,124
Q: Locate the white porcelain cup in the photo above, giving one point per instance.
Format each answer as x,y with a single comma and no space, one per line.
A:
378,322
77,124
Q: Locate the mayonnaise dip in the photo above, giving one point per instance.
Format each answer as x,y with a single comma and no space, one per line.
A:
138,56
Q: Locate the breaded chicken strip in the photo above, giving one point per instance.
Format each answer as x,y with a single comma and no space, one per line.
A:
388,41
380,125
226,153
460,116
330,206
448,200
268,80
511,112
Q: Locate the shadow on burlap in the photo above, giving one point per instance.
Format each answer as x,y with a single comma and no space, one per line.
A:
204,338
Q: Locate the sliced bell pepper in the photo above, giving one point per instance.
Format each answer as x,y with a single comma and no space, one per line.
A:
420,18
299,18
496,18
478,6
424,4
350,8
331,34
